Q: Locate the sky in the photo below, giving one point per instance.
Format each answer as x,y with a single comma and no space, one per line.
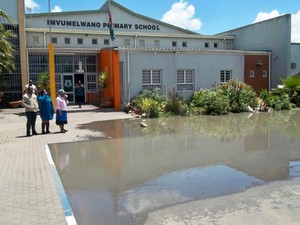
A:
206,17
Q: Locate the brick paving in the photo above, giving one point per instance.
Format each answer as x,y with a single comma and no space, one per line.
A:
28,190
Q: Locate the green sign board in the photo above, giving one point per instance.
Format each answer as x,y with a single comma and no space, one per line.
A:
68,83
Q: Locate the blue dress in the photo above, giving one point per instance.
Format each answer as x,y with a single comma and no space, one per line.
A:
46,107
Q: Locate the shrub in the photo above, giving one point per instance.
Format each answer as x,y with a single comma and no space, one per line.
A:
292,88
155,94
176,105
212,102
240,95
150,107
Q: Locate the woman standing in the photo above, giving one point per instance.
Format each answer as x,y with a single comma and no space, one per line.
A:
61,110
46,111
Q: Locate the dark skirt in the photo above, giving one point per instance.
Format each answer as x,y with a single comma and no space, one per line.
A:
61,119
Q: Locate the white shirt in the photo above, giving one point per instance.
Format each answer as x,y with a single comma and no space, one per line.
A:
61,103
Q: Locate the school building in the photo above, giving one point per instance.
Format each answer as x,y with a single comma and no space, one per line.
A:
146,53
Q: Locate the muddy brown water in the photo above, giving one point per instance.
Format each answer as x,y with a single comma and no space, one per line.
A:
119,179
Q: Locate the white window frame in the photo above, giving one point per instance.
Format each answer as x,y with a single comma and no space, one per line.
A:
264,73
91,82
150,81
225,75
251,73
186,81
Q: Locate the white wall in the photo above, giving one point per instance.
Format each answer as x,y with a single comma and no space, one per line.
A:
207,68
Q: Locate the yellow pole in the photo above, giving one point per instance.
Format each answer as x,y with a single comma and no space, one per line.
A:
52,74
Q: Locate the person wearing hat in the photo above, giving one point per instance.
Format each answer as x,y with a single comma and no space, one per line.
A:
61,110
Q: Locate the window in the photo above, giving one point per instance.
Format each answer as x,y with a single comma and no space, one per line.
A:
54,40
215,45
67,41
151,79
184,44
79,41
35,39
264,73
225,75
185,80
142,43
92,82
228,45
206,45
156,44
127,42
251,73
174,43
106,41
94,41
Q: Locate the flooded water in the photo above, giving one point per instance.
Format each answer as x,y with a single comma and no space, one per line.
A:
118,180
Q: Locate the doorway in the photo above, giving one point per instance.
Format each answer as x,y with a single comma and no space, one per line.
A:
80,77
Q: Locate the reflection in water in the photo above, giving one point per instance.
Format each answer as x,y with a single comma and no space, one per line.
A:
173,160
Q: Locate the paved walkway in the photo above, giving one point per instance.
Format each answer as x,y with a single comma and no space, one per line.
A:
28,192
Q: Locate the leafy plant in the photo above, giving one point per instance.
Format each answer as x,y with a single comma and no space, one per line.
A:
211,102
176,105
44,81
150,107
102,79
241,95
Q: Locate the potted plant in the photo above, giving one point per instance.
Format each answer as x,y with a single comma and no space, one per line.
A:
105,99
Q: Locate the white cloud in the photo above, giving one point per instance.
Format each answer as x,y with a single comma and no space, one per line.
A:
265,16
182,15
31,5
295,29
56,9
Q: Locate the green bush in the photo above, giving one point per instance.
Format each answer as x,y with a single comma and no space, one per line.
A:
240,95
211,102
279,100
292,88
176,105
155,94
150,107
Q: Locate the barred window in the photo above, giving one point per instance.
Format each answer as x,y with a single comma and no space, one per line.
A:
185,80
67,40
79,41
94,41
92,82
225,75
151,79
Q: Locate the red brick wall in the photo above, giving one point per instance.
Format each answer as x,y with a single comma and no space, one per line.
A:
257,63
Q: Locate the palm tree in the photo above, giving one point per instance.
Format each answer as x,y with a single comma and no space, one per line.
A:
6,48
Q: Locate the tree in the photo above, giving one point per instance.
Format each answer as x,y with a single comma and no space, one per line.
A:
6,48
